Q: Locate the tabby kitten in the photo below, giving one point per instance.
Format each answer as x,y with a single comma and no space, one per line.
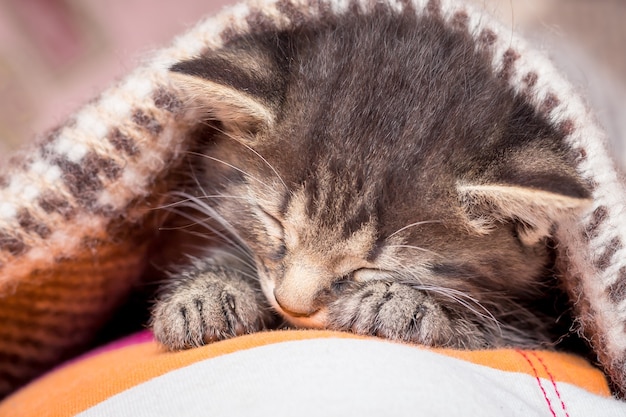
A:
370,174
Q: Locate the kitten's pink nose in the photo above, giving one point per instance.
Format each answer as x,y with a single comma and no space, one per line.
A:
299,290
294,307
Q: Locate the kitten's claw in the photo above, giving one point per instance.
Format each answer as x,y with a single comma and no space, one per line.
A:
394,311
207,307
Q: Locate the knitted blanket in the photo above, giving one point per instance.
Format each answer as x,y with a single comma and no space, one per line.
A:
77,207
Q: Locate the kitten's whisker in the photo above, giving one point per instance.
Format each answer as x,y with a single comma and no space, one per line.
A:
185,199
242,257
465,300
211,213
265,161
269,165
208,196
472,304
247,274
196,221
235,251
413,225
247,260
196,203
416,248
195,177
181,227
228,165
200,197
413,277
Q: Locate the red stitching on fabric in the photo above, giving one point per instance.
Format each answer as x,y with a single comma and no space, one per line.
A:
558,394
545,395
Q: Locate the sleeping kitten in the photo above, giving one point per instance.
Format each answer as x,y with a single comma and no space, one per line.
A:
370,174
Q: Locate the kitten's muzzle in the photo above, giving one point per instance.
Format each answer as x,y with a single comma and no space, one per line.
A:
295,310
300,291
315,318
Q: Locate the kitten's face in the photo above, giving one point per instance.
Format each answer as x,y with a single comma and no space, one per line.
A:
314,239
341,161
304,263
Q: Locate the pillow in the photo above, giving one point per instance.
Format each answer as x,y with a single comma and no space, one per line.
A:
314,373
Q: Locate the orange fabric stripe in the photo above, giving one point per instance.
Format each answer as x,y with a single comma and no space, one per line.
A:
78,386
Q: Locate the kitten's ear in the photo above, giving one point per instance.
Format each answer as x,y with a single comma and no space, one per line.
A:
535,202
241,85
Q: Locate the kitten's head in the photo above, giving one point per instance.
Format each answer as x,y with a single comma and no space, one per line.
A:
377,148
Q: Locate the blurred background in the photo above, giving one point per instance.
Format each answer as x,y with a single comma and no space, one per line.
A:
57,54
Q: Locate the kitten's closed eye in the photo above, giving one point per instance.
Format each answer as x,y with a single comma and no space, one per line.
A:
272,225
275,234
371,274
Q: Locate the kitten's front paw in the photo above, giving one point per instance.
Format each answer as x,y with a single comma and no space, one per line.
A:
394,311
210,306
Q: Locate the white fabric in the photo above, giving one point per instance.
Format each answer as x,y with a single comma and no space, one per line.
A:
345,377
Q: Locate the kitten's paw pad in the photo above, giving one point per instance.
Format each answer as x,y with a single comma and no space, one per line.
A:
394,311
205,312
